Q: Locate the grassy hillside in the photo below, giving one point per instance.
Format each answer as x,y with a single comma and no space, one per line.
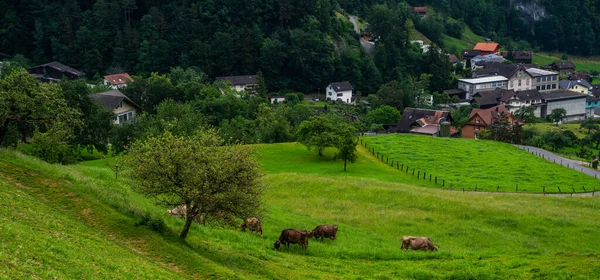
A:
581,63
466,42
78,222
468,163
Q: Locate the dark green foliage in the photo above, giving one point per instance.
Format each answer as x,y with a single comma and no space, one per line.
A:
556,140
384,115
557,115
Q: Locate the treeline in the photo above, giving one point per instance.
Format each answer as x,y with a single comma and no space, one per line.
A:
298,45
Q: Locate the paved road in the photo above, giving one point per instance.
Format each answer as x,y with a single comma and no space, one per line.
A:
369,46
573,164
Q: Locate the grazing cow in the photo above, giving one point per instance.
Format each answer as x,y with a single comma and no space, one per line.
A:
252,224
417,243
293,236
181,211
325,231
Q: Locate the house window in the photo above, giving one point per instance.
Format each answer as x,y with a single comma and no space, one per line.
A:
340,94
527,82
538,79
127,117
476,120
519,82
538,87
553,86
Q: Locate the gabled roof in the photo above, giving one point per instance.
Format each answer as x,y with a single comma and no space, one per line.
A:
110,99
341,86
486,47
118,79
491,98
454,91
61,67
452,58
412,117
563,65
532,94
568,84
489,115
501,69
240,80
519,55
470,53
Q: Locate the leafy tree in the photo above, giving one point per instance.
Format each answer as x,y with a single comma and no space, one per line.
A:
384,115
53,145
318,132
596,138
525,114
557,115
346,144
589,124
212,180
391,94
272,125
556,140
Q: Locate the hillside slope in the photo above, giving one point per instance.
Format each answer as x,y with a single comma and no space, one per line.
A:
479,235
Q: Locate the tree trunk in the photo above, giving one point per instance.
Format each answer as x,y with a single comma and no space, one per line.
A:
188,223
345,160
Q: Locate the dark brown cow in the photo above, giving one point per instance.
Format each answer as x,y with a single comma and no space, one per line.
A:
417,243
323,231
252,224
293,236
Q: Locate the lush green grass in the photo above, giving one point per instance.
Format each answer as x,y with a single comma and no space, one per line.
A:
546,127
581,63
454,43
416,35
471,37
469,163
78,222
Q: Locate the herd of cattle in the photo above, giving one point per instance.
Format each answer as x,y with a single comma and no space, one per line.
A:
300,237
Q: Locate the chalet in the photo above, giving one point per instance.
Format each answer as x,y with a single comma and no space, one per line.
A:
520,76
341,91
122,106
515,100
580,75
54,71
525,57
572,102
422,121
483,119
472,86
579,86
116,81
564,68
487,48
421,11
248,83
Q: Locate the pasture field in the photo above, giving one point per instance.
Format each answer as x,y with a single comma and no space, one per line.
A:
581,63
546,127
469,163
79,222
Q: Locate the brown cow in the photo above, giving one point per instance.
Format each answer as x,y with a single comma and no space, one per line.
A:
252,224
180,211
293,236
417,243
325,231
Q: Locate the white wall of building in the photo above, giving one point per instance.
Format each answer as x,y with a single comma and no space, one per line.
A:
345,96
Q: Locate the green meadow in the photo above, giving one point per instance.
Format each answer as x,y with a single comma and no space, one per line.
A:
485,165
79,222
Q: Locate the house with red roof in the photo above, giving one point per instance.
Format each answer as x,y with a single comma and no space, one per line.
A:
486,48
117,81
483,119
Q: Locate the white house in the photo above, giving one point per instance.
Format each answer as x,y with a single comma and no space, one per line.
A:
117,81
248,83
339,91
277,99
123,107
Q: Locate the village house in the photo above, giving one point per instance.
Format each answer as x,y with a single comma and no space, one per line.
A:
55,71
579,86
525,57
580,75
520,76
564,68
573,102
481,60
117,81
422,121
487,48
472,86
421,11
482,119
122,106
341,91
248,83
277,99
544,80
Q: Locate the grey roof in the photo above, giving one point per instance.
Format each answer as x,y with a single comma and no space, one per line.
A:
564,65
562,94
595,91
240,80
506,70
470,53
110,99
341,86
567,84
61,67
488,99
532,94
414,116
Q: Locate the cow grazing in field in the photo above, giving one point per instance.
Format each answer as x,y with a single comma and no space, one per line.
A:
323,231
180,211
417,243
293,236
252,224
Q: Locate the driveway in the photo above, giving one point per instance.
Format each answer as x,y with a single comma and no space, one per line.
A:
569,163
369,46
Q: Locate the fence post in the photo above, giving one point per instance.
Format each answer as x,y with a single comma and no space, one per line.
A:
392,162
424,175
517,188
361,141
544,190
407,169
418,174
430,178
402,166
436,180
573,188
443,182
413,173
463,189
497,188
559,189
475,186
583,188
